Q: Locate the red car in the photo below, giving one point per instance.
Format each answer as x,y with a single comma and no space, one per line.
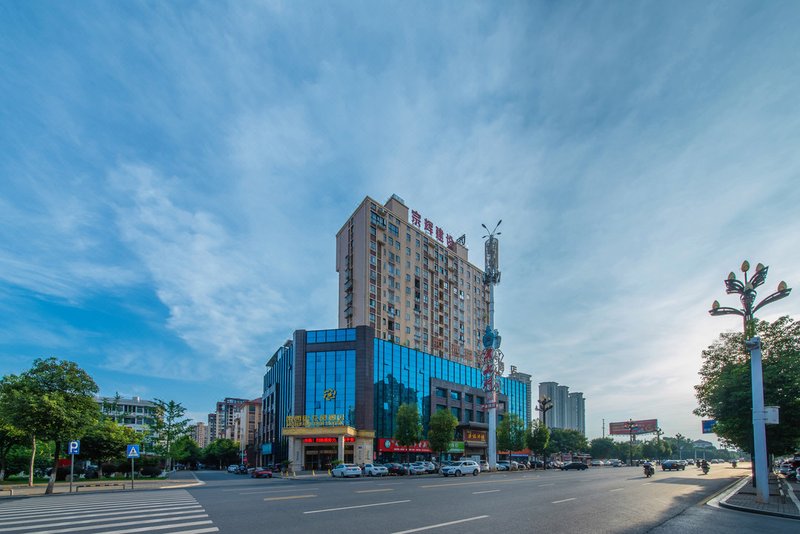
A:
261,472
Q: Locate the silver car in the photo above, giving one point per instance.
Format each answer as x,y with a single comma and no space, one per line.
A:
462,467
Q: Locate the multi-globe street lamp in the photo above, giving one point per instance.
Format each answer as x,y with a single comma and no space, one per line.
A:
544,405
747,296
632,428
678,438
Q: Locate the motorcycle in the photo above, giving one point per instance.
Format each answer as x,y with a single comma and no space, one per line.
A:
705,469
649,471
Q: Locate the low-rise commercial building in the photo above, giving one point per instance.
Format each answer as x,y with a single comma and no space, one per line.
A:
334,394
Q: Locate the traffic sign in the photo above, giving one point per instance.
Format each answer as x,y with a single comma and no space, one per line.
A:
74,447
708,426
132,451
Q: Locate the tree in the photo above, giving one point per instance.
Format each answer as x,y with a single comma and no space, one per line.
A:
441,430
169,426
724,392
567,440
9,437
106,441
54,400
511,434
602,448
539,438
408,428
220,452
186,450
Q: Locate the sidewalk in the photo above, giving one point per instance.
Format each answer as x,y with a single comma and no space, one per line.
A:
783,499
178,479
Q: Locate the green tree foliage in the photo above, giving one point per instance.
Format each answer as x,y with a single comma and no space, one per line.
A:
106,441
221,452
539,438
602,448
9,437
724,392
441,430
54,400
511,434
408,428
170,424
186,450
567,440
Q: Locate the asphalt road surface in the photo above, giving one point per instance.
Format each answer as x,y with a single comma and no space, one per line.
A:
598,500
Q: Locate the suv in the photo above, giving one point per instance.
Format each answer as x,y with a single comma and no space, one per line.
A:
462,467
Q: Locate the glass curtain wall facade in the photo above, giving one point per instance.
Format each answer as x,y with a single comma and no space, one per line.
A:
331,384
403,375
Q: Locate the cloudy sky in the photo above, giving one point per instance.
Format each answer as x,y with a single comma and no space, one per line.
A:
173,174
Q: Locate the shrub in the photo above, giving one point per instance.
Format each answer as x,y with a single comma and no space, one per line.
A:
151,471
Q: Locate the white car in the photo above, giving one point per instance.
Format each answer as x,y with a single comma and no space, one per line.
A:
463,467
375,470
346,470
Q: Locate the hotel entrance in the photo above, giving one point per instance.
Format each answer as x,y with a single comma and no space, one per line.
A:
320,452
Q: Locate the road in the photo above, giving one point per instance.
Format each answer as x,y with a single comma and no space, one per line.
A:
599,500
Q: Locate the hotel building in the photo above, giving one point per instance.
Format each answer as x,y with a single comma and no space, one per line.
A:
410,281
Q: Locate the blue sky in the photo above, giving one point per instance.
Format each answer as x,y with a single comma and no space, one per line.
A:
172,176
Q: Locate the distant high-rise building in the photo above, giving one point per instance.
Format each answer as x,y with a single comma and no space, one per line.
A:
212,427
226,411
199,433
569,409
411,281
577,412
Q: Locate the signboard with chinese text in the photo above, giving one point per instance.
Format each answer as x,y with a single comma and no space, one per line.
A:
314,421
347,439
391,445
432,230
475,435
625,428
456,447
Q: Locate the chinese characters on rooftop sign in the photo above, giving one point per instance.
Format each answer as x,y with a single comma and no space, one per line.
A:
312,421
427,226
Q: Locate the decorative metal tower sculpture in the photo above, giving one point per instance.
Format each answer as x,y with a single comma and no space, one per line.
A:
492,363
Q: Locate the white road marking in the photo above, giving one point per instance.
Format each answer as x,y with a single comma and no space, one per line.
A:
358,506
197,531
375,490
130,523
617,489
487,491
131,514
441,525
149,529
287,497
448,484
257,492
564,500
543,485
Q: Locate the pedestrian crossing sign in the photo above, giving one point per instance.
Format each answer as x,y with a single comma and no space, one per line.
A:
133,451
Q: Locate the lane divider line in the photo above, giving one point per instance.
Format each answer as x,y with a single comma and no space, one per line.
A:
357,506
375,490
429,527
287,497
487,491
564,500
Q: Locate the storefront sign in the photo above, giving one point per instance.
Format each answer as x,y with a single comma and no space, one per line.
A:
329,394
475,435
347,439
313,421
416,220
266,448
456,447
391,445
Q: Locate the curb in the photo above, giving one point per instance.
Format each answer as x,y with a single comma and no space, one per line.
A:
724,504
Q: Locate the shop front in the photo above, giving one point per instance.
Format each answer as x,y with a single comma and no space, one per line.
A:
475,443
314,443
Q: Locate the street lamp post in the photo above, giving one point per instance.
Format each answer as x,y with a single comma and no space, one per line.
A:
545,404
658,441
679,437
632,427
747,296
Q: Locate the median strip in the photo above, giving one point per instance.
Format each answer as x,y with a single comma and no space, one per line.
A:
439,525
353,507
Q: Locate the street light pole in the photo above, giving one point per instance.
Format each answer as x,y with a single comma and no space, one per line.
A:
545,404
679,437
631,428
658,441
747,296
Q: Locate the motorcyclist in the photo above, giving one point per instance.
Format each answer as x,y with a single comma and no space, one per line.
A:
704,466
648,468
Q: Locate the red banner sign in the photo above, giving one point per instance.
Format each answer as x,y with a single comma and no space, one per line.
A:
391,445
347,439
645,426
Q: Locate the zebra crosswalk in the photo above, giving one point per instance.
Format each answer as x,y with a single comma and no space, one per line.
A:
163,512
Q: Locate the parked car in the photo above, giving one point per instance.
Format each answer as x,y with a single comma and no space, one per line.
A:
484,465
462,467
395,469
241,470
346,470
233,468
785,468
261,472
672,465
503,466
375,470
597,463
414,469
574,465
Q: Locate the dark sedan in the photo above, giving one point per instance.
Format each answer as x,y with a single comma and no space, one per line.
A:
669,465
395,469
574,465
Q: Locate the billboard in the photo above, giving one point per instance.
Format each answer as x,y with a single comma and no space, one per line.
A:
625,428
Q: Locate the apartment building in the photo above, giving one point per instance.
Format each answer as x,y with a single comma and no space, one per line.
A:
411,281
569,409
225,415
134,412
199,433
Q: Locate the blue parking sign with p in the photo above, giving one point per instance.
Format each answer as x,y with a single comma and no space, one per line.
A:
133,451
74,447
